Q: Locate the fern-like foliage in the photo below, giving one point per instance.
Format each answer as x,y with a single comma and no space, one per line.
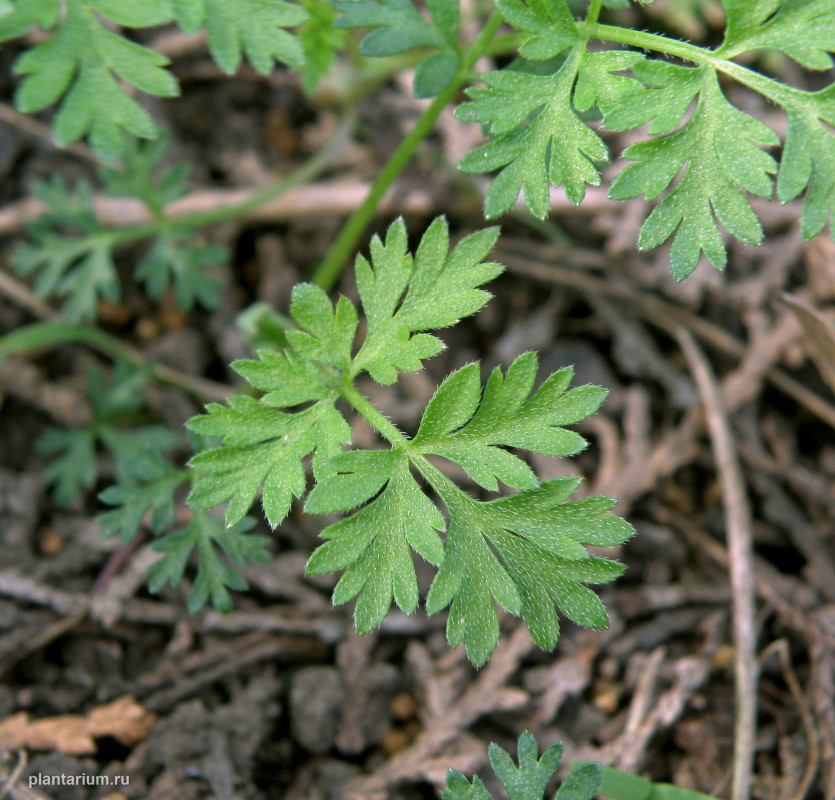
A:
529,780
85,62
705,155
70,253
525,552
117,428
210,540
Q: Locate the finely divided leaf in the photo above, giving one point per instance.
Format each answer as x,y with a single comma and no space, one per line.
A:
459,788
262,448
180,263
147,488
75,466
141,174
717,147
528,781
206,536
251,29
526,553
326,334
460,425
83,62
285,376
68,251
536,138
802,29
374,545
440,288
597,85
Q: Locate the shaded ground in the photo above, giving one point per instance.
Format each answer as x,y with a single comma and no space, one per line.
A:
280,699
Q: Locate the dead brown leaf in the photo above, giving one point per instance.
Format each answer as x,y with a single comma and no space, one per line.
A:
124,719
819,336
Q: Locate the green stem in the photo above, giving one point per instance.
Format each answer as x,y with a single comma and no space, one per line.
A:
643,40
330,269
594,11
381,423
445,488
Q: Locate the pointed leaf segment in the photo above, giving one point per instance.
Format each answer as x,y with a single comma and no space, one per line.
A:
706,155
524,552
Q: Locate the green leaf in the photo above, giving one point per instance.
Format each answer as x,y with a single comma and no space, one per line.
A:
525,552
24,15
320,41
536,138
262,448
374,545
717,147
809,157
597,83
550,26
73,467
582,783
397,27
285,376
141,175
802,29
83,62
68,252
459,788
462,427
440,288
177,262
147,489
326,333
530,779
252,29
215,577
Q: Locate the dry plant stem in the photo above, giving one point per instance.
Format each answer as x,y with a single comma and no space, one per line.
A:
738,523
670,318
781,647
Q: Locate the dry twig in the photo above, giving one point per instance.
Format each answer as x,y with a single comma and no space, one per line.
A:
738,523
